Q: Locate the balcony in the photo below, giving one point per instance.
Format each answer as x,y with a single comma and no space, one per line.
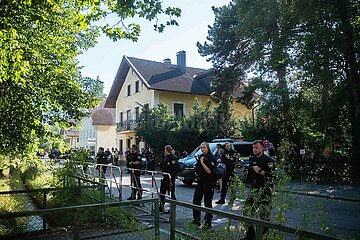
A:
128,125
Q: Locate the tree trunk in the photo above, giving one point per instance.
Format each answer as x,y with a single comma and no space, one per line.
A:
353,78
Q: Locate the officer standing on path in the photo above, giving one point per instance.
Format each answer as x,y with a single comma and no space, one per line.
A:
260,180
229,159
206,183
168,165
133,160
101,158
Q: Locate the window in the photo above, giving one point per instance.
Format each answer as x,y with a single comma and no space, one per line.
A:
137,87
178,110
121,117
137,114
128,90
128,115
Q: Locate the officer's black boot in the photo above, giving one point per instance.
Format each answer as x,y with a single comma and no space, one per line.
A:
221,201
207,225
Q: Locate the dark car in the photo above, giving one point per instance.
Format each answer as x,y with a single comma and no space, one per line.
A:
245,150
187,176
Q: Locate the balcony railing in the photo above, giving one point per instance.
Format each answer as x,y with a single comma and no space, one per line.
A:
128,125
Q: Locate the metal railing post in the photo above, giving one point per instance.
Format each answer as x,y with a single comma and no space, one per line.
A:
102,200
157,223
76,225
120,188
110,188
172,220
44,207
258,232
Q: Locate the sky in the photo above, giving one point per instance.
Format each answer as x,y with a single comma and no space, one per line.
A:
104,59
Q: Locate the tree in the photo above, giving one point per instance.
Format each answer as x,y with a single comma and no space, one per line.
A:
222,51
40,79
199,126
154,126
339,22
304,66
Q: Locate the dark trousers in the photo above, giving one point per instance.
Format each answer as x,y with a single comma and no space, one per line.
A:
226,182
136,183
102,172
166,186
204,188
151,165
258,200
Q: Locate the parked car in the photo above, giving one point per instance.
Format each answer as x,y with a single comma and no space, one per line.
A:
245,150
187,176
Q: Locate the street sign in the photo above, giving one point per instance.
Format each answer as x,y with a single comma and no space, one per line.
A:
302,151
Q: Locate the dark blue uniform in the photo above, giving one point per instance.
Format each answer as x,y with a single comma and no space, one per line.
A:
261,186
230,167
132,158
204,188
168,165
101,159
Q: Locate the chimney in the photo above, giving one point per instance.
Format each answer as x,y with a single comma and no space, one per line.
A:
167,61
181,61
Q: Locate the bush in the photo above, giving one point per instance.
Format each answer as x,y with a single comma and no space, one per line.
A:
11,203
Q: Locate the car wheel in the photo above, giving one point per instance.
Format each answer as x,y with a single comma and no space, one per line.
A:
188,183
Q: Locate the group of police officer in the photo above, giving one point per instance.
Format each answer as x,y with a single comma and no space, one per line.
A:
259,177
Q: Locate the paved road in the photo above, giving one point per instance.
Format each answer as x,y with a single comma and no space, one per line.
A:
341,217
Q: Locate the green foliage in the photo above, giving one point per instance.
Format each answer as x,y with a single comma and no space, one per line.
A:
12,203
158,128
154,126
200,125
304,69
222,52
122,218
40,80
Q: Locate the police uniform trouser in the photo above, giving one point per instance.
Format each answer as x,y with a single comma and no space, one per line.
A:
102,172
165,187
226,182
204,188
258,200
136,183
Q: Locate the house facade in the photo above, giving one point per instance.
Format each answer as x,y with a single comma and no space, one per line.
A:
72,137
140,82
99,129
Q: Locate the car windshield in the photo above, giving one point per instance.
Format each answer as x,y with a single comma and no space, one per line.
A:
244,150
197,151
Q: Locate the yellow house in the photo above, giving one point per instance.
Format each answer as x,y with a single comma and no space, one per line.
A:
138,82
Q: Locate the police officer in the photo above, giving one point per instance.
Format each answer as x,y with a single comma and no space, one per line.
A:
150,156
168,165
260,180
229,159
133,160
206,183
101,159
